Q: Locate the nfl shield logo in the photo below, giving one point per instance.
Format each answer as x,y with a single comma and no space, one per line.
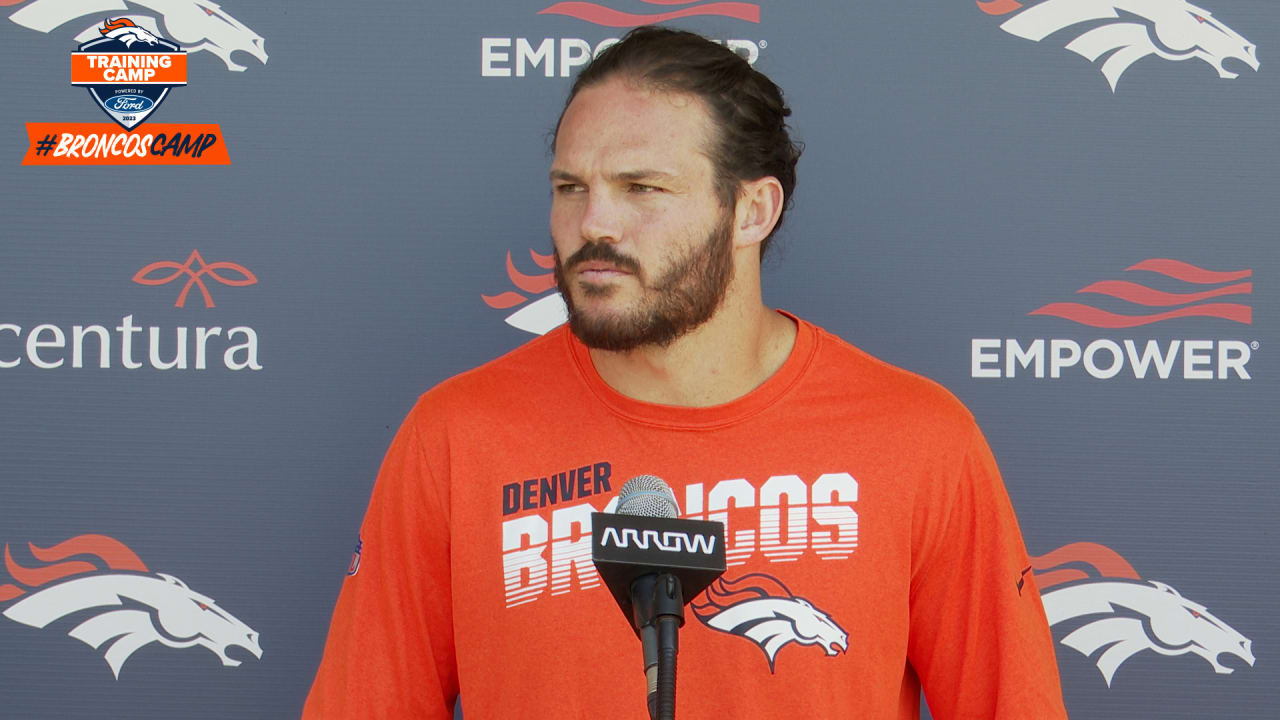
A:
354,566
128,71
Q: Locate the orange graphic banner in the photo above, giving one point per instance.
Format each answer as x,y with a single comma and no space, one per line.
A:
109,144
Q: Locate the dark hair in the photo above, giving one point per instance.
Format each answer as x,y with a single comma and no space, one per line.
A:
747,108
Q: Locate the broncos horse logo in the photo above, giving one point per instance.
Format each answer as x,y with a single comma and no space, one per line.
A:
541,315
195,24
1124,615
1125,31
125,31
760,608
152,607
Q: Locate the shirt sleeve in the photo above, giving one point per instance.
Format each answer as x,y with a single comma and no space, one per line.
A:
390,651
979,638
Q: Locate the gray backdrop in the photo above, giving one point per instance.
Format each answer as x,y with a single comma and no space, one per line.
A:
958,177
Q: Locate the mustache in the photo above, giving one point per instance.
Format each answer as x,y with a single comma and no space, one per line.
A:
602,252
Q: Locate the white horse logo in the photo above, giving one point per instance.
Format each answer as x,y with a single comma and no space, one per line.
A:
1114,614
196,25
1125,31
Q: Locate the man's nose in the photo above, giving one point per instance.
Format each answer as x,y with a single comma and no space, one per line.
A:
602,219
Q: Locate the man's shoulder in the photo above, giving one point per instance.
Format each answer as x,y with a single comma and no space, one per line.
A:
905,392
541,365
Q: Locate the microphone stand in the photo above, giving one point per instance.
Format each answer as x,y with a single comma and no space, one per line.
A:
658,604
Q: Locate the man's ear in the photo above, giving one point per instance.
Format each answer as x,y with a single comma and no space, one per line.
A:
759,205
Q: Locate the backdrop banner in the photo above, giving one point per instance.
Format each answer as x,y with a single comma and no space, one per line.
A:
294,219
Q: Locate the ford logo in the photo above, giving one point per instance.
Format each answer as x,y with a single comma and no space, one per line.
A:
129,103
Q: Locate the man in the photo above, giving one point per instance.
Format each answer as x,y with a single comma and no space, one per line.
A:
871,544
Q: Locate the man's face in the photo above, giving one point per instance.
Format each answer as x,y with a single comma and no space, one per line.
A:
643,247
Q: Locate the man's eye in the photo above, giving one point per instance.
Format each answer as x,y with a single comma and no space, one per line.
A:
568,188
639,188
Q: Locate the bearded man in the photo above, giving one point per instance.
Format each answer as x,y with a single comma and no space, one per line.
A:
871,543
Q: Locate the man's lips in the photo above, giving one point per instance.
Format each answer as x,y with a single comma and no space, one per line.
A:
597,270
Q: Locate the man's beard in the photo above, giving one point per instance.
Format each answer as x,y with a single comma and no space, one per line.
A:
686,295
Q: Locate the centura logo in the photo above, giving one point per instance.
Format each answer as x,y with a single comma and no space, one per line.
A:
759,608
667,541
1113,613
118,605
1189,291
128,70
146,276
195,24
182,348
609,17
540,315
1125,31
1197,303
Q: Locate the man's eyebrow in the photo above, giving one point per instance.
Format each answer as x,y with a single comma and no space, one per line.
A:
626,176
646,174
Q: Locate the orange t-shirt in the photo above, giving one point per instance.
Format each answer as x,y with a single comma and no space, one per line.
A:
871,545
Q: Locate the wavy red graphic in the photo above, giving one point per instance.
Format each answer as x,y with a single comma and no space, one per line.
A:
999,7
1187,272
601,15
532,284
1104,562
1143,295
1139,294
1094,317
210,269
100,552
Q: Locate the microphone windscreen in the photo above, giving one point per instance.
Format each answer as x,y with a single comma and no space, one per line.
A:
647,496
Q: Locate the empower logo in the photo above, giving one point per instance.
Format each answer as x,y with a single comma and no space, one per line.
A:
196,25
118,605
539,315
558,56
1113,613
609,17
1173,291
1121,32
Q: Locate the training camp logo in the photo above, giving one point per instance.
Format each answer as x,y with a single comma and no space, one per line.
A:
540,315
117,604
1160,290
128,70
1112,613
1122,32
195,24
759,608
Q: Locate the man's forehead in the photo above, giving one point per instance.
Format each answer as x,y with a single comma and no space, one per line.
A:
634,126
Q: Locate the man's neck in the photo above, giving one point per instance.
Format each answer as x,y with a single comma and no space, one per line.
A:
728,356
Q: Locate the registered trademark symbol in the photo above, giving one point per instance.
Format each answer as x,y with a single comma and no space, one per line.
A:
1255,344
764,44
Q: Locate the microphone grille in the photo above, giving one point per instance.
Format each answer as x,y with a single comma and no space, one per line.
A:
647,496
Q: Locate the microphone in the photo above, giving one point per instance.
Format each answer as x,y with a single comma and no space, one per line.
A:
651,560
